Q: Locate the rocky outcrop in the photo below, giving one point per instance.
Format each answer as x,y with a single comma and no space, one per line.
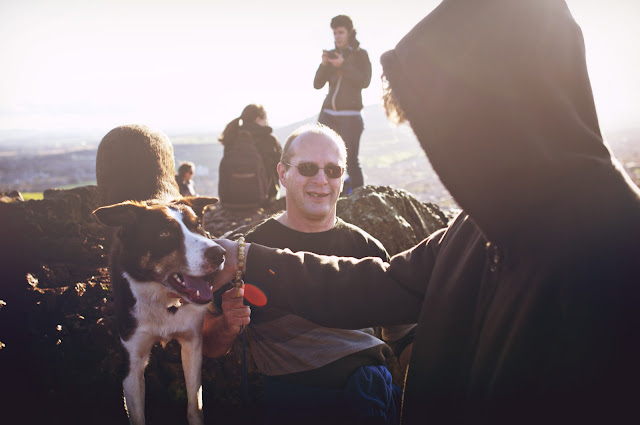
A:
58,343
58,230
393,216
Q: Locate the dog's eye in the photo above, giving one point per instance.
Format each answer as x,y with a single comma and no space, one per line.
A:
165,234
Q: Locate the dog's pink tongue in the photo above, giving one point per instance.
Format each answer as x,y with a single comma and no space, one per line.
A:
197,284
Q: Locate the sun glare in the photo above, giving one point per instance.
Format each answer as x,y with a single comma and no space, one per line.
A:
613,66
197,64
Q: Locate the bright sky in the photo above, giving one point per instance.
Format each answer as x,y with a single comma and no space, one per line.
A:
194,64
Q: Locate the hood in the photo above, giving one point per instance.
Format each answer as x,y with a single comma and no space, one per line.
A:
498,94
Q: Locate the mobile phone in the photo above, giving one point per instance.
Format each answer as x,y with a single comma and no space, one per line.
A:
331,55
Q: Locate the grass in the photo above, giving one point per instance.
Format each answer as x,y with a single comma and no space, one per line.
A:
31,196
40,195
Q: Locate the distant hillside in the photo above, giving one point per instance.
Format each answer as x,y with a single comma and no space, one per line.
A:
390,155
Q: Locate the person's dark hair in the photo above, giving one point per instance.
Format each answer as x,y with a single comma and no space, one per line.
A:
249,114
346,22
391,106
185,167
316,128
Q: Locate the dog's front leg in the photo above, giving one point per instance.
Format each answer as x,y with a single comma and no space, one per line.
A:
191,351
138,350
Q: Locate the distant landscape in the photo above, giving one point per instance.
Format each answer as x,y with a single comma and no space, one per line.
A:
390,156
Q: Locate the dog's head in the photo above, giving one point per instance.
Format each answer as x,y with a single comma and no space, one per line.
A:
164,242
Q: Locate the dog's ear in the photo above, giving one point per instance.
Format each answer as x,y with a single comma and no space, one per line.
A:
198,203
119,214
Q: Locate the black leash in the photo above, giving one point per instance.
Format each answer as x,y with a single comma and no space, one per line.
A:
238,283
243,360
245,384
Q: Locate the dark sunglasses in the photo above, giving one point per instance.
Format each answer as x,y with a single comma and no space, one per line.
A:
310,169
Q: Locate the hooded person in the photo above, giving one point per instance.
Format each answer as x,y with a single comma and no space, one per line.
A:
527,303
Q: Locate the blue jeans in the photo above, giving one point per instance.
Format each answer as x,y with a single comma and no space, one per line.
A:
369,398
350,128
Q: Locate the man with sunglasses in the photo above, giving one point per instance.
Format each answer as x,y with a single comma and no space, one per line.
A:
314,374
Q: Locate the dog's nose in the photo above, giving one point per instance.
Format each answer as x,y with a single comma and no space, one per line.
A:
215,254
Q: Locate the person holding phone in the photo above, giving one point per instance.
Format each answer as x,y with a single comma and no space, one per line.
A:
347,69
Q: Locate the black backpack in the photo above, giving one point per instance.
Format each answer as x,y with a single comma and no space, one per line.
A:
243,177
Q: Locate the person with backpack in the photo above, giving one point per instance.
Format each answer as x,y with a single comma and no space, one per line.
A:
248,175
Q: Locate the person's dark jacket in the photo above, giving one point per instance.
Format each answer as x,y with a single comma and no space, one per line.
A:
528,303
186,188
345,83
270,150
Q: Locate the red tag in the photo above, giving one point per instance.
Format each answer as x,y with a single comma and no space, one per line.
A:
254,295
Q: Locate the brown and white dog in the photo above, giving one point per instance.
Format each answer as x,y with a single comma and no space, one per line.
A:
161,260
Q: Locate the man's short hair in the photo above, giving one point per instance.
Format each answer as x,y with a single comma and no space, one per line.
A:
316,128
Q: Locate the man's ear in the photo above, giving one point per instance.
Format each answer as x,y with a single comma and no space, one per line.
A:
119,214
198,203
281,172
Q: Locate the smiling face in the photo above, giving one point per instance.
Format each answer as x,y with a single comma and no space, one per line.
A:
311,201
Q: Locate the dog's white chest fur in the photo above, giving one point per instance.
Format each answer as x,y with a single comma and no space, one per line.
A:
159,314
158,320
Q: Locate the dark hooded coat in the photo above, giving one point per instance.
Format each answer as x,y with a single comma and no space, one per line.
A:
270,150
345,83
528,304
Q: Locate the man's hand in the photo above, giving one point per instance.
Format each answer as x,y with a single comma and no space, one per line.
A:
325,57
235,313
338,61
219,330
228,273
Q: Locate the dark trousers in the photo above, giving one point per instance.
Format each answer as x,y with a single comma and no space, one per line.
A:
369,398
350,128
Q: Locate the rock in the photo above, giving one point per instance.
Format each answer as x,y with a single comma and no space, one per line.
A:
86,196
57,229
11,197
57,322
231,223
393,216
